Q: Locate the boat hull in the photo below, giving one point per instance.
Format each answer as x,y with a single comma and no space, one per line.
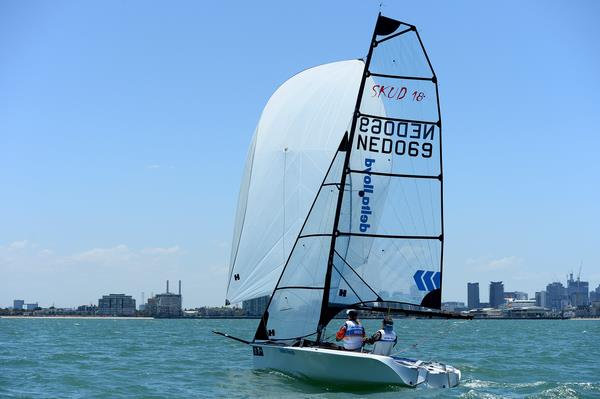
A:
345,367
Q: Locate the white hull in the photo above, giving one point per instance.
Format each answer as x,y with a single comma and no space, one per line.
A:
345,367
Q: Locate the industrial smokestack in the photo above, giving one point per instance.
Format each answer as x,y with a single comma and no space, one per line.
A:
167,286
179,287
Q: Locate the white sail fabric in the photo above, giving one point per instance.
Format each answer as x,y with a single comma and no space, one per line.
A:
390,243
296,138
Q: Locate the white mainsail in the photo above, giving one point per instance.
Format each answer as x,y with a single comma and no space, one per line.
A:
373,237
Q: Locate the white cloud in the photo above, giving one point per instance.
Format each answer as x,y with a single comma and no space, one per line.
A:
118,253
490,264
18,244
153,166
161,251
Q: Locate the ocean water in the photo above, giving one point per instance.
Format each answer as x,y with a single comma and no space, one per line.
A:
86,358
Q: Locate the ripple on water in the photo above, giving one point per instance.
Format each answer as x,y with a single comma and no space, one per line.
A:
183,359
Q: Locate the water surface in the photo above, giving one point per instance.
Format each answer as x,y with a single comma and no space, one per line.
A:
80,358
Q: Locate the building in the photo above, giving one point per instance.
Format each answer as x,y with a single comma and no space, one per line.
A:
578,292
540,299
520,303
166,305
255,306
454,306
31,306
556,296
18,304
116,305
595,295
496,294
473,295
516,295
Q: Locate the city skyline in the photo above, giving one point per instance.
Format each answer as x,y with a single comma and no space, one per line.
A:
124,130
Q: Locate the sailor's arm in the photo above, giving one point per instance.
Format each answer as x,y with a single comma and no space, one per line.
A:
341,332
376,337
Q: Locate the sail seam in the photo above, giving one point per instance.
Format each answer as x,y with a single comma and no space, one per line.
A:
389,118
315,235
440,237
368,172
383,75
395,35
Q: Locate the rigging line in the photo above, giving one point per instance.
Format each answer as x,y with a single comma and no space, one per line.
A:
263,319
389,118
349,285
288,339
358,275
395,35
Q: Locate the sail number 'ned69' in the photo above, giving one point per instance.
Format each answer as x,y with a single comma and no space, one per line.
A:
401,138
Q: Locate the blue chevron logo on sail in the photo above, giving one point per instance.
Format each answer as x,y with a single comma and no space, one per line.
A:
427,280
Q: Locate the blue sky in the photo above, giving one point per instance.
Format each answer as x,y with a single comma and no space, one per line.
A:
124,128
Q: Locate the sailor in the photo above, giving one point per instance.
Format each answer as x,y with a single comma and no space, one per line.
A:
385,339
351,332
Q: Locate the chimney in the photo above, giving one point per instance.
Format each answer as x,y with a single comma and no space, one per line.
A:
179,287
167,286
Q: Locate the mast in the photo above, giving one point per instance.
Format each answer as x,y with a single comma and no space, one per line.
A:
325,303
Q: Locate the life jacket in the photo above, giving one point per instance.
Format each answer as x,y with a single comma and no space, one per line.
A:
353,337
385,344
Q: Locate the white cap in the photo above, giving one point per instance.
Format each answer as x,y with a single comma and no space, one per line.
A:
351,310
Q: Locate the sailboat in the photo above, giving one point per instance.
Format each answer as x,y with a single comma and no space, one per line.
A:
341,207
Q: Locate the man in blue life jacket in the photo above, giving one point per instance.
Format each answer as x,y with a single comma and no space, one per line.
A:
351,332
385,339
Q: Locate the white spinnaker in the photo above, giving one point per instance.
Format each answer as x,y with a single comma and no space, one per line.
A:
296,138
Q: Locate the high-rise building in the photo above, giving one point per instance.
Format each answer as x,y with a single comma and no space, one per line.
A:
473,295
31,306
540,299
578,292
116,305
18,304
595,295
496,294
556,296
